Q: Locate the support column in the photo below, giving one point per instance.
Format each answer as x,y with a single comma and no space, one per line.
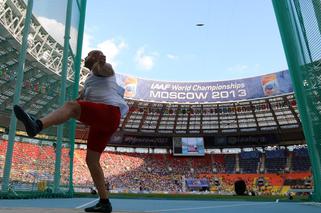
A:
16,98
62,95
75,91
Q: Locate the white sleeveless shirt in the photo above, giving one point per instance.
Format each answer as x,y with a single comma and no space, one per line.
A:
105,90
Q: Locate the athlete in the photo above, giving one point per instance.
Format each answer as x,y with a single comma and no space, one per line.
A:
100,106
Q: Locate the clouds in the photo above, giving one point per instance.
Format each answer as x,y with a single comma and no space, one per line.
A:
112,48
146,61
115,49
143,60
171,56
86,44
57,31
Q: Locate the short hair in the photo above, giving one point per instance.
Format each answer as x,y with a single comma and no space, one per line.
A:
95,51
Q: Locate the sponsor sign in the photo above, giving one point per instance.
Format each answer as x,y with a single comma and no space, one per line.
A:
201,92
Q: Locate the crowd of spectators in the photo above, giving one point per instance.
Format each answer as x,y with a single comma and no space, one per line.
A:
275,160
34,162
141,171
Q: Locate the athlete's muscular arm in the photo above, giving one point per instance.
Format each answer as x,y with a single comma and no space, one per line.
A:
101,68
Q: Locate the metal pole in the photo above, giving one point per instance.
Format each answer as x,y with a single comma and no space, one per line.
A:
16,98
62,94
75,89
292,48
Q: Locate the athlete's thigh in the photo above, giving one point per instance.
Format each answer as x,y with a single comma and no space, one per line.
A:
98,139
94,114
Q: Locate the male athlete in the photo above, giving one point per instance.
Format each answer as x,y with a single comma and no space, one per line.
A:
100,105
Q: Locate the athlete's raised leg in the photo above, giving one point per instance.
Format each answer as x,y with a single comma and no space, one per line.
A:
71,109
33,125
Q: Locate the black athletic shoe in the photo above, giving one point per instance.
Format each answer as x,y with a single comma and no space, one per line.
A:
31,125
100,207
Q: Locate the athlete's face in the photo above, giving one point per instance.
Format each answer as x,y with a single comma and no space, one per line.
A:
93,57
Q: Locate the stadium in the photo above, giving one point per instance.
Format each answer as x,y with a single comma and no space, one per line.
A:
206,143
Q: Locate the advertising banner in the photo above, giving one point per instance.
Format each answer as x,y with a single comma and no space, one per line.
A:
127,140
240,140
202,92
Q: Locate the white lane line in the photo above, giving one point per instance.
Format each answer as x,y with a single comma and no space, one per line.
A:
86,204
207,207
312,203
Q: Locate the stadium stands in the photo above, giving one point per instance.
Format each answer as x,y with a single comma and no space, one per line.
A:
300,160
33,162
162,172
275,161
249,161
230,163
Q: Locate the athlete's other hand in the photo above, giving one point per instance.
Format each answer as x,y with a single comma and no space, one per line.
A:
101,59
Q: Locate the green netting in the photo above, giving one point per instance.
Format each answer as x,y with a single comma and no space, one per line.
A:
42,166
300,26
32,168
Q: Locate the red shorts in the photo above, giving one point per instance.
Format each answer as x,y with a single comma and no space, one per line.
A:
102,119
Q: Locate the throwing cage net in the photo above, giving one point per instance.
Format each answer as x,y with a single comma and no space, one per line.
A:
300,27
40,54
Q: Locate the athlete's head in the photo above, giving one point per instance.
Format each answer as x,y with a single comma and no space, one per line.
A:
93,57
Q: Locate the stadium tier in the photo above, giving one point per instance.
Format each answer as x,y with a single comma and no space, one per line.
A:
265,118
158,172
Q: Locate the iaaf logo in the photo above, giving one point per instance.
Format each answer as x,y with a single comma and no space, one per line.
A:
160,86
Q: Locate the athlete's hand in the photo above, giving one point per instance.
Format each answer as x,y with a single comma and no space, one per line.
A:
102,59
105,69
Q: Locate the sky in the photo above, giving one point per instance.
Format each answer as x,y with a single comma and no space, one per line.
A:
159,39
